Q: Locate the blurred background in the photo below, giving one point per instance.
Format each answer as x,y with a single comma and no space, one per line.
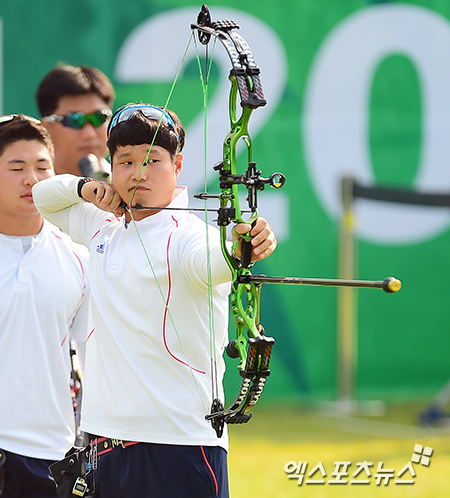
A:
356,89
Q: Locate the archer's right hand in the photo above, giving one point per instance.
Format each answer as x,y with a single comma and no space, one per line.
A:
104,196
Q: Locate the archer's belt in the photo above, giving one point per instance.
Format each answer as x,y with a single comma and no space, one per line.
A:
102,445
70,472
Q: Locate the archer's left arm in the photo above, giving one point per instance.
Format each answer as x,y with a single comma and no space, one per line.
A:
263,241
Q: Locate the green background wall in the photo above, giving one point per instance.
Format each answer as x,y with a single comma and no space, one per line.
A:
404,339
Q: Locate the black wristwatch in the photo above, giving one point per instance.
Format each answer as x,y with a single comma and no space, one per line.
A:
81,183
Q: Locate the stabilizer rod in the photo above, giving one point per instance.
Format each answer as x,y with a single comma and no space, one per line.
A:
390,284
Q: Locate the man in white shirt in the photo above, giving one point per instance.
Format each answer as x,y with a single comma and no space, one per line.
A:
43,296
148,380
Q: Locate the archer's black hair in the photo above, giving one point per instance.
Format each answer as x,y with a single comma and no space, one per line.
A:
138,129
22,128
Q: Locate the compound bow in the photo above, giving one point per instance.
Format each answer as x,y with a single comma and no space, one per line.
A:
254,353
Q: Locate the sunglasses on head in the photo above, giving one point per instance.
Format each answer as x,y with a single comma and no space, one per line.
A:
79,119
149,111
9,117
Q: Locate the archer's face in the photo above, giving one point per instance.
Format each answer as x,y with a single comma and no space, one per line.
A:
22,164
157,182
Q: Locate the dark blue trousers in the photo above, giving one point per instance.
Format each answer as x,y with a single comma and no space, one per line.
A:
27,477
148,470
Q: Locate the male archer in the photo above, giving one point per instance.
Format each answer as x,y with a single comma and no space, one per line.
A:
148,380
43,296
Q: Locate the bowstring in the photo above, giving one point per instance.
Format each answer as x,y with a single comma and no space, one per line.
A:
166,305
204,79
144,164
133,221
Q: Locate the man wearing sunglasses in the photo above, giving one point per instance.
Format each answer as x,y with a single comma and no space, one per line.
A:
149,380
75,105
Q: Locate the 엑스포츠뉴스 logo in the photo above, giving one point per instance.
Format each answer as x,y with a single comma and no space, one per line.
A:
297,470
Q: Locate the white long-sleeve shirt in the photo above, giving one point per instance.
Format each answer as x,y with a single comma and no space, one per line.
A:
42,307
148,354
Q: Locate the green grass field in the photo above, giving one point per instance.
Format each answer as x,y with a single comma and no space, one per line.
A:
260,449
